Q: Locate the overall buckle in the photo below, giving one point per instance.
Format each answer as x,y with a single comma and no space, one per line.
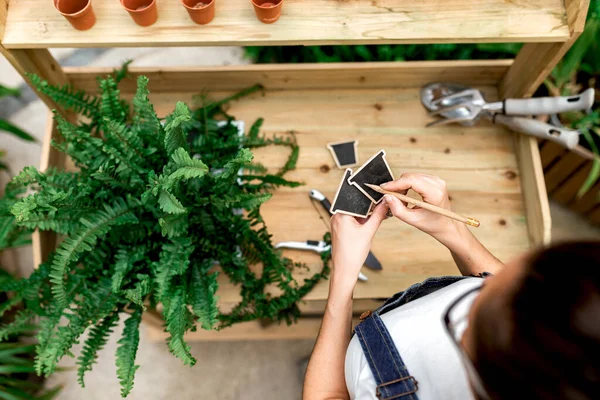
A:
379,394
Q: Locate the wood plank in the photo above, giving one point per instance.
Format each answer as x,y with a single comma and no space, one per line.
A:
39,62
537,208
305,328
301,76
567,192
34,24
3,15
535,61
562,170
594,216
587,201
550,152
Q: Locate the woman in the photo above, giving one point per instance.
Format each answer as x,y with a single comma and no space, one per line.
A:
530,330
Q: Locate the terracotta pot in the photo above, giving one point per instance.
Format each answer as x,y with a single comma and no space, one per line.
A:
143,12
267,11
201,11
78,12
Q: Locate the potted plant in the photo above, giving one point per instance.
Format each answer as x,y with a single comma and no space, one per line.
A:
151,218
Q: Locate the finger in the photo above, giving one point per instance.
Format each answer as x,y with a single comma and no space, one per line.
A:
432,189
399,210
378,216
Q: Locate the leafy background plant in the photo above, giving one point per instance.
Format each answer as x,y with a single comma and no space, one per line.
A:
579,69
17,345
146,220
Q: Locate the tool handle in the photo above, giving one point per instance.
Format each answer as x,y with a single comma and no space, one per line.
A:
327,205
549,105
565,137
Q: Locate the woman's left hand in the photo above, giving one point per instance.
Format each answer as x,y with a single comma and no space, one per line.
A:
351,242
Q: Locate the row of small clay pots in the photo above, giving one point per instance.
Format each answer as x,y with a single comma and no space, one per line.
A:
144,12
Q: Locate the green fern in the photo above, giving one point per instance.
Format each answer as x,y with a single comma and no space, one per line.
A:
149,213
127,351
95,342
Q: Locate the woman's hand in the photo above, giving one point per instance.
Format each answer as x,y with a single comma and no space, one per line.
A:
433,190
351,241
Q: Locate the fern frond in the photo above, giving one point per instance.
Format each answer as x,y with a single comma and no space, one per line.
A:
73,100
145,122
174,225
111,108
187,168
124,262
178,319
94,227
175,135
127,351
233,166
140,291
123,72
95,342
169,203
174,260
20,324
203,297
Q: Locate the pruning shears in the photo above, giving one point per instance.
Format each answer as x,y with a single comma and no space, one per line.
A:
318,246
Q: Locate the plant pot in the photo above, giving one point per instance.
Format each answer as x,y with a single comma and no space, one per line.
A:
143,12
201,11
78,12
267,11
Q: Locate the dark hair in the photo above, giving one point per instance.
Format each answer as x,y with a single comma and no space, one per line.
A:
551,347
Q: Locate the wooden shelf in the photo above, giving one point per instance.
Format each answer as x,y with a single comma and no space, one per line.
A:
490,176
36,24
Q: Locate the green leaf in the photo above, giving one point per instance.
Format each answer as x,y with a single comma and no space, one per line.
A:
175,136
177,323
94,227
169,203
18,132
204,300
233,166
6,91
96,340
187,168
127,351
594,174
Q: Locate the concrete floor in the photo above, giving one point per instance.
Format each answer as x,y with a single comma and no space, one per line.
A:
231,370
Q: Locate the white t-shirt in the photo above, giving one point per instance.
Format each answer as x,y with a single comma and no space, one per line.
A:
424,345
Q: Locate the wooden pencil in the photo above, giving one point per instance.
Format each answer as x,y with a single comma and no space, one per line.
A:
427,206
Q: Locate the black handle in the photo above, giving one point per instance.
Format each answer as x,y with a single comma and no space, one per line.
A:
327,205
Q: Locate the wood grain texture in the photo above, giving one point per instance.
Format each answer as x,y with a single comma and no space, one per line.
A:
562,170
588,201
3,15
39,62
567,192
478,163
34,24
303,76
535,61
539,221
305,328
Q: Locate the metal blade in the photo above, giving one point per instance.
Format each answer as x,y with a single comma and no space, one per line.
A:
372,262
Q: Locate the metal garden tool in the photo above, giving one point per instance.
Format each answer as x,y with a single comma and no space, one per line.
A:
371,261
463,105
318,246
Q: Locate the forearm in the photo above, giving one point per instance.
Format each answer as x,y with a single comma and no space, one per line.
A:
325,373
470,255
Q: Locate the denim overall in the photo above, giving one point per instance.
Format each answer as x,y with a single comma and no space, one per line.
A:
391,375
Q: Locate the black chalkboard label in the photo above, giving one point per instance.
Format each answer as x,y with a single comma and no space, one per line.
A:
375,172
349,200
344,153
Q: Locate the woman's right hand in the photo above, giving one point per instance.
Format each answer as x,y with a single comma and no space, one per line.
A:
433,191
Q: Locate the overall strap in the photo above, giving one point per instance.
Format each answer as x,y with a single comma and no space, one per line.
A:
393,379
